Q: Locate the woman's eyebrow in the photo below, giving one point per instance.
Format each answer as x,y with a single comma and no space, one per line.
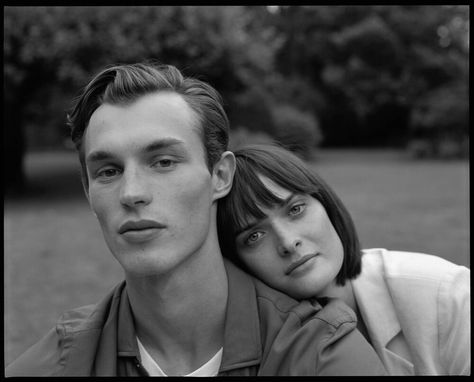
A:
281,203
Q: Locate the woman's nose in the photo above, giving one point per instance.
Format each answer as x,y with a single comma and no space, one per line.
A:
288,243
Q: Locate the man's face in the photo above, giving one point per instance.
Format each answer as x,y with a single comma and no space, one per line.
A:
148,182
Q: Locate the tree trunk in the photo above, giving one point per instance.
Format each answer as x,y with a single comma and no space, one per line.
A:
13,149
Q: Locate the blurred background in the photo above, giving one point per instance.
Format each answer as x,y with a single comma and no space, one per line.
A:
375,98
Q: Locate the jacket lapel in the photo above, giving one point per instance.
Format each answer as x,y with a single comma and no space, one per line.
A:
372,296
395,364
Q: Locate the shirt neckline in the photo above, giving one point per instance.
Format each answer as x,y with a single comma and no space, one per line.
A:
208,369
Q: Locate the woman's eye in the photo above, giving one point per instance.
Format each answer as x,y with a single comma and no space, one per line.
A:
253,237
297,209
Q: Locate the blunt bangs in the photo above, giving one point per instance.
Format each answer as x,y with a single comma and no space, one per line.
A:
248,194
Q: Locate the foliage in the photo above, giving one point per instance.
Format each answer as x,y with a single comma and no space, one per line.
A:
361,70
372,64
296,130
440,122
242,136
445,109
283,109
252,109
71,44
50,52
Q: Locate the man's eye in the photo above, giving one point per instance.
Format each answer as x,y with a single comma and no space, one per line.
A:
164,163
253,237
107,173
297,209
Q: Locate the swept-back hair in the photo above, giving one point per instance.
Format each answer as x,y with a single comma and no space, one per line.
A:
124,84
249,194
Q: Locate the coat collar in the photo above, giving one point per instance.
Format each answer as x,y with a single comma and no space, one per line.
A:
242,344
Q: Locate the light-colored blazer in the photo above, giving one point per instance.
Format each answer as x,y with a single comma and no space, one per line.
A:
417,311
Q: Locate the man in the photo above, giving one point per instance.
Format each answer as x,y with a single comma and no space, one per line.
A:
153,150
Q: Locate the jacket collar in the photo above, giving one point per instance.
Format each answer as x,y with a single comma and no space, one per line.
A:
242,344
372,295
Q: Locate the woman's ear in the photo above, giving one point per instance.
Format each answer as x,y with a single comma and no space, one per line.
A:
223,175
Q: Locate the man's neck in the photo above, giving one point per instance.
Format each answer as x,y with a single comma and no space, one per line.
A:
180,317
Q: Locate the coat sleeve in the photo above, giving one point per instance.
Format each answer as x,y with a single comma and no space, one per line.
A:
454,320
44,358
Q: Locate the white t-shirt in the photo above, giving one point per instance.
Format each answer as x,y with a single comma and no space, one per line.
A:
209,369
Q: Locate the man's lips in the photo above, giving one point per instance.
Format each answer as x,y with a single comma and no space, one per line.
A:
299,262
139,225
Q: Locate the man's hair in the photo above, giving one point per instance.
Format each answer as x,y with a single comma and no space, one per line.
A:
288,171
124,84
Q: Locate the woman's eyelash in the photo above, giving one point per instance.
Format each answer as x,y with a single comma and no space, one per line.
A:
257,235
299,207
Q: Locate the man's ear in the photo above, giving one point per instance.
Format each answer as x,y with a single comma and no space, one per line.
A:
223,175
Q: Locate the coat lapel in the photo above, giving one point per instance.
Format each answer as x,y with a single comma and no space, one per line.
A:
376,308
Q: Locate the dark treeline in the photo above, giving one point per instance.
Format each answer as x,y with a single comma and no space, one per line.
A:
304,75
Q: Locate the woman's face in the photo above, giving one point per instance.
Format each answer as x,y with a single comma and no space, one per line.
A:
295,247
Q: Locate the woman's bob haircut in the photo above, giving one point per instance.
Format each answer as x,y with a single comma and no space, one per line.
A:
290,172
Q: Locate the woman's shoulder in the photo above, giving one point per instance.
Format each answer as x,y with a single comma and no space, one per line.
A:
410,265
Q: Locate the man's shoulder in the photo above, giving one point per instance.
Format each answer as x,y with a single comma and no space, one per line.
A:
332,312
316,337
89,317
76,327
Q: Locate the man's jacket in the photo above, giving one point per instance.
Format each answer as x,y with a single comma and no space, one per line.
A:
266,333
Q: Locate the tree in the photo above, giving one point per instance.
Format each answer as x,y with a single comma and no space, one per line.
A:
371,63
51,50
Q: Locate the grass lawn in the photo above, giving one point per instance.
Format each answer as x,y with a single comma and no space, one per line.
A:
56,259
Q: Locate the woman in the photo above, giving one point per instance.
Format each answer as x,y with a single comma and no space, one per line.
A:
282,223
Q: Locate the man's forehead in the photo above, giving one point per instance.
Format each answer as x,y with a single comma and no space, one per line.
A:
153,117
163,104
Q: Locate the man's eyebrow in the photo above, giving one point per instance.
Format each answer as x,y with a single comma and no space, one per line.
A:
97,156
160,144
281,203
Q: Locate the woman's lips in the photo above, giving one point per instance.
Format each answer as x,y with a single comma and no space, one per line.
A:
296,264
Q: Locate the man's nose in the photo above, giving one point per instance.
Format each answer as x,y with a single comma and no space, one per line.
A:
134,190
